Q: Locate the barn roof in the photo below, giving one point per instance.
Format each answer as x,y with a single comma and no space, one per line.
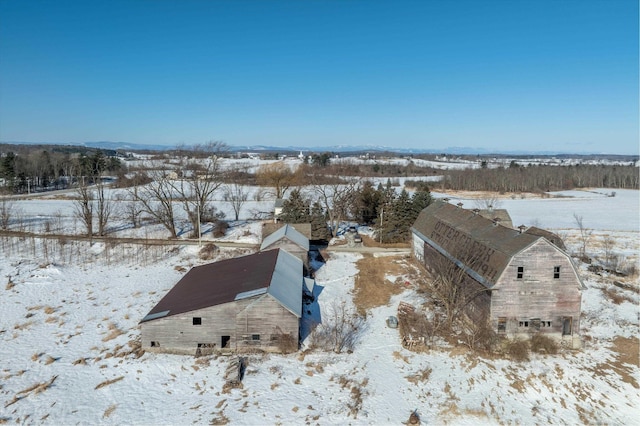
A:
289,232
482,246
274,272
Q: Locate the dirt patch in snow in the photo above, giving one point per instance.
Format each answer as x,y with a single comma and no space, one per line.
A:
372,288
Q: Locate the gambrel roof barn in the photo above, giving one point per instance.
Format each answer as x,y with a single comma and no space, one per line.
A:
531,284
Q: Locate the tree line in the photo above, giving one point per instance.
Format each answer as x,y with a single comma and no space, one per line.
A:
542,178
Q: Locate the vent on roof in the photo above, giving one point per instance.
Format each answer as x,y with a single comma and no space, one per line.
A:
496,221
459,205
446,200
475,211
521,228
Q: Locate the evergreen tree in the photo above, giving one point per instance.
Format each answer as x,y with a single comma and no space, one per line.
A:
295,209
319,229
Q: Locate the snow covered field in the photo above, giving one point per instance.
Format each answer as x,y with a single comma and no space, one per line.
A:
70,326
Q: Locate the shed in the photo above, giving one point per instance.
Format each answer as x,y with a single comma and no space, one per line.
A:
289,239
524,283
243,303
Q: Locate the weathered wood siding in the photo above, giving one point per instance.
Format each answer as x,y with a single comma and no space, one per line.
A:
292,248
537,296
258,315
266,318
478,308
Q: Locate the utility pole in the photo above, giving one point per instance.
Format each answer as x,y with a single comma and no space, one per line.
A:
381,216
199,234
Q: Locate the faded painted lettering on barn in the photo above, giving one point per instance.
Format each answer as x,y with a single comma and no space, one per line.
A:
473,253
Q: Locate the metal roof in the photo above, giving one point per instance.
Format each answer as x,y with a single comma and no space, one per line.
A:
289,232
273,271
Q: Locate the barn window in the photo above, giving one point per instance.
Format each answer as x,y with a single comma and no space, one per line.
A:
197,320
520,272
155,344
255,337
535,323
556,272
523,324
502,324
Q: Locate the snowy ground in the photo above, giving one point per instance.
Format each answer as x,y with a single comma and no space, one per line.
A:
70,318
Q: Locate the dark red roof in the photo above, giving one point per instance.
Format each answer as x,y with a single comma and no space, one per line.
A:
217,283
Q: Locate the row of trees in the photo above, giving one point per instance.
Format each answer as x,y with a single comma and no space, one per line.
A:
542,178
390,212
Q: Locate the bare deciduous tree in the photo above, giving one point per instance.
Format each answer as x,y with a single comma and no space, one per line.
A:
83,207
156,199
237,195
7,210
451,287
276,175
340,329
337,199
585,235
104,207
202,179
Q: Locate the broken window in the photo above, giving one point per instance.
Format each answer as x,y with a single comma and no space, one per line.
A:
520,272
523,324
197,321
502,324
155,344
556,272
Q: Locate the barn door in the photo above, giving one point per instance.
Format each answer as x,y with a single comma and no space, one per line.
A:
225,341
566,325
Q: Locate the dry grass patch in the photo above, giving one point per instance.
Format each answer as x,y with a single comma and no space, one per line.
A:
109,411
419,376
108,382
114,332
370,242
372,289
35,389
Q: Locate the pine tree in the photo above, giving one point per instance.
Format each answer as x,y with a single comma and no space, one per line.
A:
295,209
319,229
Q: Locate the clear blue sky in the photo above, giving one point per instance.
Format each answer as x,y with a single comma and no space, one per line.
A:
558,75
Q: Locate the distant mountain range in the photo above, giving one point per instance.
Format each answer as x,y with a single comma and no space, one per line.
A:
319,149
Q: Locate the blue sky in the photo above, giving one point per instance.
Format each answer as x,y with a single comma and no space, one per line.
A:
499,75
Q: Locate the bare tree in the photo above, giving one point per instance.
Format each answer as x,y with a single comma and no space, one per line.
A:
83,207
156,199
237,195
489,202
340,329
585,235
132,209
277,175
7,210
610,259
451,287
337,199
202,179
104,207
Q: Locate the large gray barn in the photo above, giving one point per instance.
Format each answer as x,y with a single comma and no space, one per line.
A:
242,303
524,283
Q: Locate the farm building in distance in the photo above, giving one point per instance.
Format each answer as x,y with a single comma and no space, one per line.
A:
522,282
288,238
248,302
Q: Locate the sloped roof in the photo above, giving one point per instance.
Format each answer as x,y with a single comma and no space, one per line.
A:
289,232
473,241
275,272
269,228
501,214
553,238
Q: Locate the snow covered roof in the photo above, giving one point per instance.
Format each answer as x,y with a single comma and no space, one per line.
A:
275,272
289,232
